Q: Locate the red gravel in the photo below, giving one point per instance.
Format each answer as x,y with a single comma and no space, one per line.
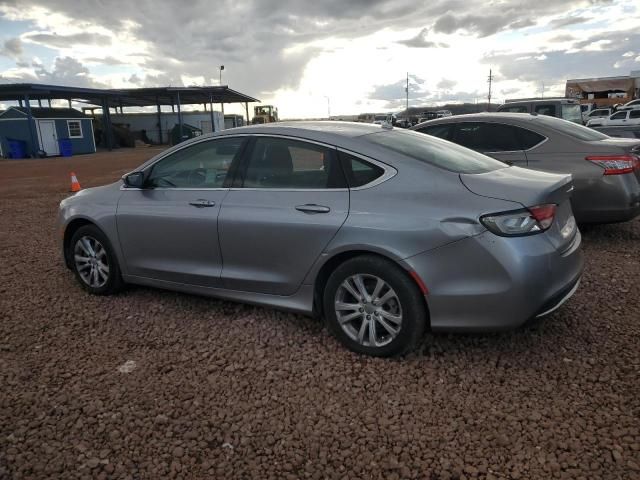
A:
153,384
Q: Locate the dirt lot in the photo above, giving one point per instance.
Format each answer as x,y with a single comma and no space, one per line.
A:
221,390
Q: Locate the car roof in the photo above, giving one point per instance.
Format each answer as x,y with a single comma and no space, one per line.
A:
483,116
308,129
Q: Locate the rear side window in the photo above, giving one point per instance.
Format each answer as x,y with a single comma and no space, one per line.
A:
619,116
527,138
546,110
514,109
434,151
634,114
487,137
359,172
440,131
570,128
292,164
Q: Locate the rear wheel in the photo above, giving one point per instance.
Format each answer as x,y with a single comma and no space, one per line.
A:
373,307
93,261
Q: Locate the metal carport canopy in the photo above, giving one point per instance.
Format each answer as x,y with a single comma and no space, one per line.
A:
125,97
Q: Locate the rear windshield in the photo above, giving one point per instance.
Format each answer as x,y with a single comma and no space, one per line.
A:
435,151
572,129
572,112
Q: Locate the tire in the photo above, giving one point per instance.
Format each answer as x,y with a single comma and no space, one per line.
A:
349,316
88,239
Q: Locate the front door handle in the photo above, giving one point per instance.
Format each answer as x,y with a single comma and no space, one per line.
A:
313,208
200,203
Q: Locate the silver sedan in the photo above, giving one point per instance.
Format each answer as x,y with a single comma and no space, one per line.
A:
381,231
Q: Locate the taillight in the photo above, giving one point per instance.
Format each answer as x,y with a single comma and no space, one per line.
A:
516,223
616,164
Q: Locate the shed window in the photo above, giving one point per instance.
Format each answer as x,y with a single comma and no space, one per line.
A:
75,128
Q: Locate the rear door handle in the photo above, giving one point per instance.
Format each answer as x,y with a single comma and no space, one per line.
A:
313,208
200,203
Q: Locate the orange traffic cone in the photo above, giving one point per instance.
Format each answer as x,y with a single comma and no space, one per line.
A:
75,184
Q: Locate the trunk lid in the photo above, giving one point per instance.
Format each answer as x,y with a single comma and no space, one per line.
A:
531,188
527,187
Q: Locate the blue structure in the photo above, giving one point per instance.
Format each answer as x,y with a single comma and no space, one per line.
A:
55,131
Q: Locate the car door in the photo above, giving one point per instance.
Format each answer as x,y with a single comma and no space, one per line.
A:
280,215
497,140
168,230
618,118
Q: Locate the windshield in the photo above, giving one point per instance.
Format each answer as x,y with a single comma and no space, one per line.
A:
572,113
381,117
435,151
572,129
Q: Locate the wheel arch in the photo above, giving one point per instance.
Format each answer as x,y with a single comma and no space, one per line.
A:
338,259
72,227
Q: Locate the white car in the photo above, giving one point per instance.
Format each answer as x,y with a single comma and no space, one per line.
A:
598,113
387,119
443,113
632,103
620,118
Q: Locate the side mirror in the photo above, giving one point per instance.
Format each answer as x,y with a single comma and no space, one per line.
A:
134,180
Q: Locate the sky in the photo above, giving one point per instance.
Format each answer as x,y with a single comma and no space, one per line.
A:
312,57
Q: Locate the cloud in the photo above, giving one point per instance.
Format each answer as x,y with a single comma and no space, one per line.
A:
446,84
420,41
65,71
558,65
65,41
12,48
567,21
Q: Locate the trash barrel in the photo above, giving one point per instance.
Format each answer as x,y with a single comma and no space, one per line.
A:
17,149
65,147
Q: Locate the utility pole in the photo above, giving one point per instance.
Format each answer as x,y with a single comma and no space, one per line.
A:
489,96
328,108
407,92
542,96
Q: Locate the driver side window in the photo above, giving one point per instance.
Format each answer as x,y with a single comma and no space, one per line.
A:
203,165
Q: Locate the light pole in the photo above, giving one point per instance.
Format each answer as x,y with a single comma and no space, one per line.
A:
221,69
328,107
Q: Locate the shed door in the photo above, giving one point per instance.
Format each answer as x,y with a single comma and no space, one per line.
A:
48,137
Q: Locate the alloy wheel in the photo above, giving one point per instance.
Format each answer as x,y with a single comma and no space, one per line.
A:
91,261
368,310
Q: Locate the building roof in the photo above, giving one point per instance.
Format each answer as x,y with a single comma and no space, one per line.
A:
125,97
37,112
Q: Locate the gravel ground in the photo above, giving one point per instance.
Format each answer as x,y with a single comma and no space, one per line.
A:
153,384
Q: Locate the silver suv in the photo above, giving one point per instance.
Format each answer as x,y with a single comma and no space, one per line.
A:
565,108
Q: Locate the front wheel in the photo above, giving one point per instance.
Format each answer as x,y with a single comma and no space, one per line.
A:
93,261
374,307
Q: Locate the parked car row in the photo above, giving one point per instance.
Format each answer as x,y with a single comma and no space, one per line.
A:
382,231
624,116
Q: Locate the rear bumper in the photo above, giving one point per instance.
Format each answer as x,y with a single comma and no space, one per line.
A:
614,198
490,283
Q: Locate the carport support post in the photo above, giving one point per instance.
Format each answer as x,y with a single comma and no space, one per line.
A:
69,100
32,133
159,121
179,116
246,109
106,125
213,126
49,100
39,103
